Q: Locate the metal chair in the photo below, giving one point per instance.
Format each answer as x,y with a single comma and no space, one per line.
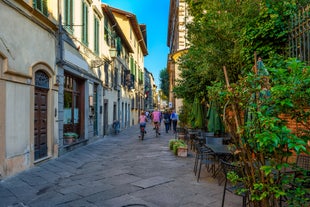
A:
303,162
199,148
228,186
208,158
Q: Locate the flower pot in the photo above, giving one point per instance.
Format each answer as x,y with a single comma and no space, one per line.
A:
182,151
68,140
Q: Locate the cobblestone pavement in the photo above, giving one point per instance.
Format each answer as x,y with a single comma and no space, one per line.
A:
116,171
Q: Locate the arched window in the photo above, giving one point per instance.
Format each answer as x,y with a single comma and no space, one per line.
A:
41,79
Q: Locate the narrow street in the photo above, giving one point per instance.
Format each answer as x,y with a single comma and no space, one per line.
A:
116,171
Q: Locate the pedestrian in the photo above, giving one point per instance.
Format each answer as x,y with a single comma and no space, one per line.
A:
174,118
147,114
167,120
116,126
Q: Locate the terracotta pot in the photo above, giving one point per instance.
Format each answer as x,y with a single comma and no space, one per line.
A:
68,140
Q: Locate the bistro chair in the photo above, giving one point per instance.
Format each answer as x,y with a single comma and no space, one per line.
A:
208,158
301,176
303,162
199,148
232,187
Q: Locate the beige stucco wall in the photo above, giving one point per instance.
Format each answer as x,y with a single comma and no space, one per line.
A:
2,123
23,45
17,119
26,42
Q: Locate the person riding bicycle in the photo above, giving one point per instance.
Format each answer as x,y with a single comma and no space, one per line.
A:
156,118
142,121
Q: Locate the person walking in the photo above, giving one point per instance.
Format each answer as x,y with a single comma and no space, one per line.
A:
167,120
174,118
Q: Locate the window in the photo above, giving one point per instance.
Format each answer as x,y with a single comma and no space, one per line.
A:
122,77
106,73
115,77
118,46
96,38
85,23
41,5
41,79
107,36
68,15
72,105
131,65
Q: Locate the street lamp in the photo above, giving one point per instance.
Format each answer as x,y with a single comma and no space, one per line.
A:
113,52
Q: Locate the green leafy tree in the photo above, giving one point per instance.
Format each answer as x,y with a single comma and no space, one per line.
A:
164,83
258,125
228,32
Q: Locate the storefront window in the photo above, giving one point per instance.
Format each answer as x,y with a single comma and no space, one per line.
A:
72,105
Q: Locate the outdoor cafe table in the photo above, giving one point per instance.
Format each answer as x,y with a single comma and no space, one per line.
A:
221,152
219,148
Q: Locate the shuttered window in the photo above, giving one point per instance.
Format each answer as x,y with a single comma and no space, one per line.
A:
85,23
41,5
96,37
68,15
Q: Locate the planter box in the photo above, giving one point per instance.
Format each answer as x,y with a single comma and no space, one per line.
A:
68,140
182,151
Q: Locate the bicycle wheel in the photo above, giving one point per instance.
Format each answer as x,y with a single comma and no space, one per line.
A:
157,131
142,133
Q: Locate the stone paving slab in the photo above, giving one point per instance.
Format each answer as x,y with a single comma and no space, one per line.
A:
116,171
150,182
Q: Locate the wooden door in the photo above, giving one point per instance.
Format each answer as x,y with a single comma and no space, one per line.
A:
40,123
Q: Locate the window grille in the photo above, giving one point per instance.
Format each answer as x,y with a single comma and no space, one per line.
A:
300,35
41,79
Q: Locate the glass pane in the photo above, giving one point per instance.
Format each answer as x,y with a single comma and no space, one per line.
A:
76,109
67,108
41,79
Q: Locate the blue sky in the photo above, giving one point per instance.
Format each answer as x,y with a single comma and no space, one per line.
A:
153,13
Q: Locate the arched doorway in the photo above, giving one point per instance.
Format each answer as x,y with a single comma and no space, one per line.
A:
40,114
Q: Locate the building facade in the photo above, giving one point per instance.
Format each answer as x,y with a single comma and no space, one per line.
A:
28,86
149,84
136,35
177,43
66,67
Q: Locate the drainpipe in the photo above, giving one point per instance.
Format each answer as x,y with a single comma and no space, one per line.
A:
60,41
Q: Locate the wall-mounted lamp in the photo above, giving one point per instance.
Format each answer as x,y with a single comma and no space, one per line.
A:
113,52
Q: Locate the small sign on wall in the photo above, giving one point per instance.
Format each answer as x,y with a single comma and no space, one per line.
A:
170,104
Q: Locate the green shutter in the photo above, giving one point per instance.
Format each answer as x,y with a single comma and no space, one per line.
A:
131,66
41,5
96,40
85,23
68,16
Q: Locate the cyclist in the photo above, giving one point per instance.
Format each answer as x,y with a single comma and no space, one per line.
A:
142,121
156,119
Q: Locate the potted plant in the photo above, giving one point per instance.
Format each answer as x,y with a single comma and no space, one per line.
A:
70,137
178,147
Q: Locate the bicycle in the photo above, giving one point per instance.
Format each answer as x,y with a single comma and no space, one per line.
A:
142,131
157,128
